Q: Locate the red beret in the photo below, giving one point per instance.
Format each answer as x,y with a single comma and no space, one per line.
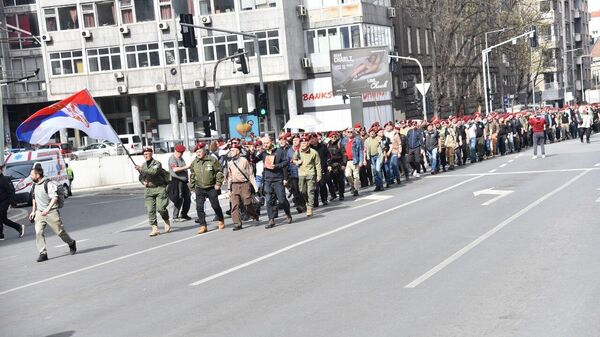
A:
466,118
357,126
180,148
389,123
258,142
304,138
147,149
332,133
199,145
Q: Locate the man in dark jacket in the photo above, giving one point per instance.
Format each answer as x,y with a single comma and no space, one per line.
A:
320,186
7,198
335,166
275,173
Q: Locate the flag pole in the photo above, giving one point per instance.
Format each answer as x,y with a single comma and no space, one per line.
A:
106,119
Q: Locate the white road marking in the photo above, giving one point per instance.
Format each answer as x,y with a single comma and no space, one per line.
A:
20,214
110,201
498,193
598,200
510,161
320,236
438,176
78,241
492,171
597,165
374,197
503,165
77,271
491,232
137,225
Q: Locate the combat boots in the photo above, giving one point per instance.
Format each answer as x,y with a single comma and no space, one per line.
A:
202,229
154,231
309,211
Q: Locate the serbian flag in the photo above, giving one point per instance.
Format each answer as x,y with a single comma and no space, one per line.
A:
76,112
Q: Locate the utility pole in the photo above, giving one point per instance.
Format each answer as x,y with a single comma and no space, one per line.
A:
424,102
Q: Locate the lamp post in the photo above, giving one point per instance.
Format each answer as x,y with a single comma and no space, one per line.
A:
422,81
564,86
582,90
487,59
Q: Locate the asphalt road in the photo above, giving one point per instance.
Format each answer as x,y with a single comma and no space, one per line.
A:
435,257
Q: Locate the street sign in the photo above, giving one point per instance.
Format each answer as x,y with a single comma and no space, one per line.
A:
421,90
211,97
491,191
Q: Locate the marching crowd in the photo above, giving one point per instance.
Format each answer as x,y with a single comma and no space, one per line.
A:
312,169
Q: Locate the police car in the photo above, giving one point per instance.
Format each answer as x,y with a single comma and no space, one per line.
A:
19,166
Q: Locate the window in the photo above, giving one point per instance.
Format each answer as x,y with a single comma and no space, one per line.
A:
408,40
186,55
257,4
180,7
377,35
65,63
62,18
218,47
27,65
142,55
104,59
324,40
224,6
329,3
268,43
143,9
105,14
418,33
8,3
205,7
27,22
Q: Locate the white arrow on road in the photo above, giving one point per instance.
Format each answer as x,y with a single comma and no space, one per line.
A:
491,191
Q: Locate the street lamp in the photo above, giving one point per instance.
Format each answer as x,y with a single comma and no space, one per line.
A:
487,60
564,71
582,91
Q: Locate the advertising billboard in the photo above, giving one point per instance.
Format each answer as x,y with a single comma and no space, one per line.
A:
360,70
243,126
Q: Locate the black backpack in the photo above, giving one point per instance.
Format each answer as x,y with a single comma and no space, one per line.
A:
479,129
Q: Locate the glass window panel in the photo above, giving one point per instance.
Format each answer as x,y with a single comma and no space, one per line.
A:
154,59
224,6
205,8
103,51
143,60
65,54
56,69
54,56
153,46
169,44
207,40
104,63
92,52
261,35
170,56
219,39
355,32
67,16
193,52
262,47
274,46
221,52
335,41
249,47
106,13
129,48
141,47
345,36
115,50
67,67
78,66
116,62
77,53
231,38
209,53
247,4
144,10
310,42
273,33
51,25
131,61
183,7
93,61
232,48
127,16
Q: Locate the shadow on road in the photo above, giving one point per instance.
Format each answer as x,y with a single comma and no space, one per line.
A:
63,334
95,249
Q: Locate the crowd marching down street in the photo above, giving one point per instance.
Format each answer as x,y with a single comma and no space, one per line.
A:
304,170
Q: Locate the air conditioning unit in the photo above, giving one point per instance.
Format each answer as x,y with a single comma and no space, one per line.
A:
404,84
119,75
46,37
301,10
124,30
86,33
206,19
200,83
306,63
163,25
391,12
160,87
122,89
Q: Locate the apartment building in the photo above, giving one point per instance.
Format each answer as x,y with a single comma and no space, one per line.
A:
566,40
125,53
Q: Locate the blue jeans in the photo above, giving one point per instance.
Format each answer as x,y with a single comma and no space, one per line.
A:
392,169
433,158
376,166
473,149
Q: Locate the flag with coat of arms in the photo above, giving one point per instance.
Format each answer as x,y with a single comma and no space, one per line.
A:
78,111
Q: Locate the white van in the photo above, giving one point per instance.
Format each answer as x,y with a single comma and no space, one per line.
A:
133,143
19,166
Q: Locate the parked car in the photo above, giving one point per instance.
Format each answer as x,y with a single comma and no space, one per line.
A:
96,150
65,149
132,142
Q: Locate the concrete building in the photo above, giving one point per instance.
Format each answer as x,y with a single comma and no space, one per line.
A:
596,66
565,36
124,53
595,26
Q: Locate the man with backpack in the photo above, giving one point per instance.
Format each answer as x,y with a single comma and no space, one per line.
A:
7,197
155,179
47,198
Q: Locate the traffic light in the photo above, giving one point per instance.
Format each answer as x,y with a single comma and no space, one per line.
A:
241,62
187,33
263,107
533,42
211,120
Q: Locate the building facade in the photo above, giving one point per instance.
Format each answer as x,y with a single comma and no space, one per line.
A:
126,52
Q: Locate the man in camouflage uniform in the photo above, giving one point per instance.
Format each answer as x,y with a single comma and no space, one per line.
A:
154,178
206,178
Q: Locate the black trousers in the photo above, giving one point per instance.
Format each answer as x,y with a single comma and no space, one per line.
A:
414,156
404,166
183,201
321,189
337,179
4,220
213,197
274,190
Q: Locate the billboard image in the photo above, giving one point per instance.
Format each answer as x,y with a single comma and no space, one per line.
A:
360,70
243,126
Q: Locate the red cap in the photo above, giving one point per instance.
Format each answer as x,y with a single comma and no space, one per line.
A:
304,138
389,123
147,149
199,145
258,142
332,133
357,126
180,148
